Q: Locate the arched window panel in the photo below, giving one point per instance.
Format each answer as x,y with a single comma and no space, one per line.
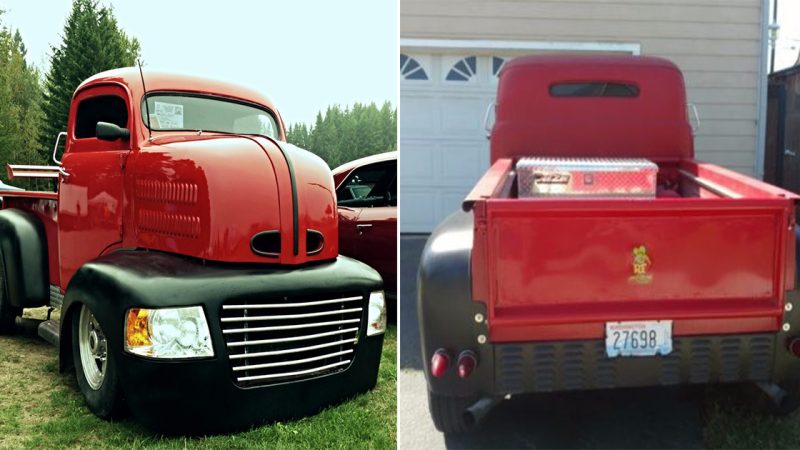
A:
463,69
497,64
411,69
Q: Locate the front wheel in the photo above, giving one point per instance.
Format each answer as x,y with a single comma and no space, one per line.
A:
95,368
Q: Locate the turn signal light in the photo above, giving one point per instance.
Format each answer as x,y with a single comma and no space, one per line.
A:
440,362
467,361
794,346
137,331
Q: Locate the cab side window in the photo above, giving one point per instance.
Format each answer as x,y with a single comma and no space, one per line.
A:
370,186
103,108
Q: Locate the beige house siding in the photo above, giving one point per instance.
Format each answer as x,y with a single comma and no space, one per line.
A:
717,44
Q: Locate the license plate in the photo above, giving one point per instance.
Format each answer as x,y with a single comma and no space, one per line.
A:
643,338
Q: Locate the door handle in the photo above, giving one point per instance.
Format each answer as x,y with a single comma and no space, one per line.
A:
789,152
363,226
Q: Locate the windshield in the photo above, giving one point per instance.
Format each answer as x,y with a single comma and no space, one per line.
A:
184,112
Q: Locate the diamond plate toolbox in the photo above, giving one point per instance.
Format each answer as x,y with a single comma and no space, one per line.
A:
586,177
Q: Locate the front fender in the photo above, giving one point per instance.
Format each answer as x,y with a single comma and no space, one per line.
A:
447,311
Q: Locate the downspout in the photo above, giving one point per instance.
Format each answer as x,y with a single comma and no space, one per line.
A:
761,121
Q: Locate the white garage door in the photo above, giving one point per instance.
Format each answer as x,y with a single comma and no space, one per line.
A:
443,100
443,145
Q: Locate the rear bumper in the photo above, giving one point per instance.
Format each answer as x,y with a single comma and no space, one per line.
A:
554,366
578,365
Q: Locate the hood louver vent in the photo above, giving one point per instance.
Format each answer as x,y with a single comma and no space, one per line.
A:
315,241
266,243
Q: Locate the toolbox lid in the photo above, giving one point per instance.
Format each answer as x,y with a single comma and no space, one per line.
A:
591,106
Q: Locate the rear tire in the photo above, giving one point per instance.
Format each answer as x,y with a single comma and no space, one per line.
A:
449,413
95,366
8,313
790,403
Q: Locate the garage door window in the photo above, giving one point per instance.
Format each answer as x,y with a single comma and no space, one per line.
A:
497,64
411,69
464,69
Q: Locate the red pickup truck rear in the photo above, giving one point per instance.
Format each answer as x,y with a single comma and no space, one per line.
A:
550,293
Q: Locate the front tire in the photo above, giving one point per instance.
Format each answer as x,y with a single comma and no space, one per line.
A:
449,413
95,367
8,313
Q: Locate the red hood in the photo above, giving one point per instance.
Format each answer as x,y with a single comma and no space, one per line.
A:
208,196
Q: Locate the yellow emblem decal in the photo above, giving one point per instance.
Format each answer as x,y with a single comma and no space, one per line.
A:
641,266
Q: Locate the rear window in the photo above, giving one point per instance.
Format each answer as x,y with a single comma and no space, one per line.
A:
594,89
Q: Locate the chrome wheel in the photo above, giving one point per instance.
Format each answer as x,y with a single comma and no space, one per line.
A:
93,349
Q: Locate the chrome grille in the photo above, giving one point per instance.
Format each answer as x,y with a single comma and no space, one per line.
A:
290,338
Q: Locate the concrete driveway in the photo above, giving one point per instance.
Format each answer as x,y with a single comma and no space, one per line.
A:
634,418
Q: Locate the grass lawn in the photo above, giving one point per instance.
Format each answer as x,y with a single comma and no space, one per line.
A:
40,408
732,422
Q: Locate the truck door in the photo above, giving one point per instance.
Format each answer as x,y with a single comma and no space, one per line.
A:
91,188
368,211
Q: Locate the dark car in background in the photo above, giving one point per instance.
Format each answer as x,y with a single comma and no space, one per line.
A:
366,192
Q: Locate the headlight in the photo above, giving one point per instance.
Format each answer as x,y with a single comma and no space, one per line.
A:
376,319
168,333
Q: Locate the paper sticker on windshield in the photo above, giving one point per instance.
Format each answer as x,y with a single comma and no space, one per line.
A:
170,115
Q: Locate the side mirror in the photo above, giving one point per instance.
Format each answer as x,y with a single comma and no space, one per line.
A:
55,147
488,119
110,132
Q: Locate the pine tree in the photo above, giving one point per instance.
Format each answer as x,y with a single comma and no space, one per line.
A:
92,43
20,104
342,135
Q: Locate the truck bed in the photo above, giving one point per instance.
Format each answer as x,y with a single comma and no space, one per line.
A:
720,255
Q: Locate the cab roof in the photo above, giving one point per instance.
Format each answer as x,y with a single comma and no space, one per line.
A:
166,81
550,105
566,62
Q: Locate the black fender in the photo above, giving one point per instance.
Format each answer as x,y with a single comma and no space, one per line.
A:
23,246
186,396
447,311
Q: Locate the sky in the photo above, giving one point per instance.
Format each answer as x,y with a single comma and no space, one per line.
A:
788,44
303,54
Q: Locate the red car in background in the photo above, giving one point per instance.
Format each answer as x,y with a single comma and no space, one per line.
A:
366,193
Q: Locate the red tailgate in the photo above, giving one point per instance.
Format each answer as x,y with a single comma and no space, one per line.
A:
555,269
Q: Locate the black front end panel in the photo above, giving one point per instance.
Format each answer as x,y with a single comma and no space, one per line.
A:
287,342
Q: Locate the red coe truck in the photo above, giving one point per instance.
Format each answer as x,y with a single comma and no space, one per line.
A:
193,255
596,252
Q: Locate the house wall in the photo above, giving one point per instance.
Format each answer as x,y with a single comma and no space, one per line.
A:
717,44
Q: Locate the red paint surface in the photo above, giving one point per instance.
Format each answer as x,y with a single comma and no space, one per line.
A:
376,245
202,196
529,121
561,268
542,265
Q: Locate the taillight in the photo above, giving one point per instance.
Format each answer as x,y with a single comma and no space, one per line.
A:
467,361
794,346
440,362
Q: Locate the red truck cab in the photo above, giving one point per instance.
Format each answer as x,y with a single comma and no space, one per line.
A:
542,293
193,255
